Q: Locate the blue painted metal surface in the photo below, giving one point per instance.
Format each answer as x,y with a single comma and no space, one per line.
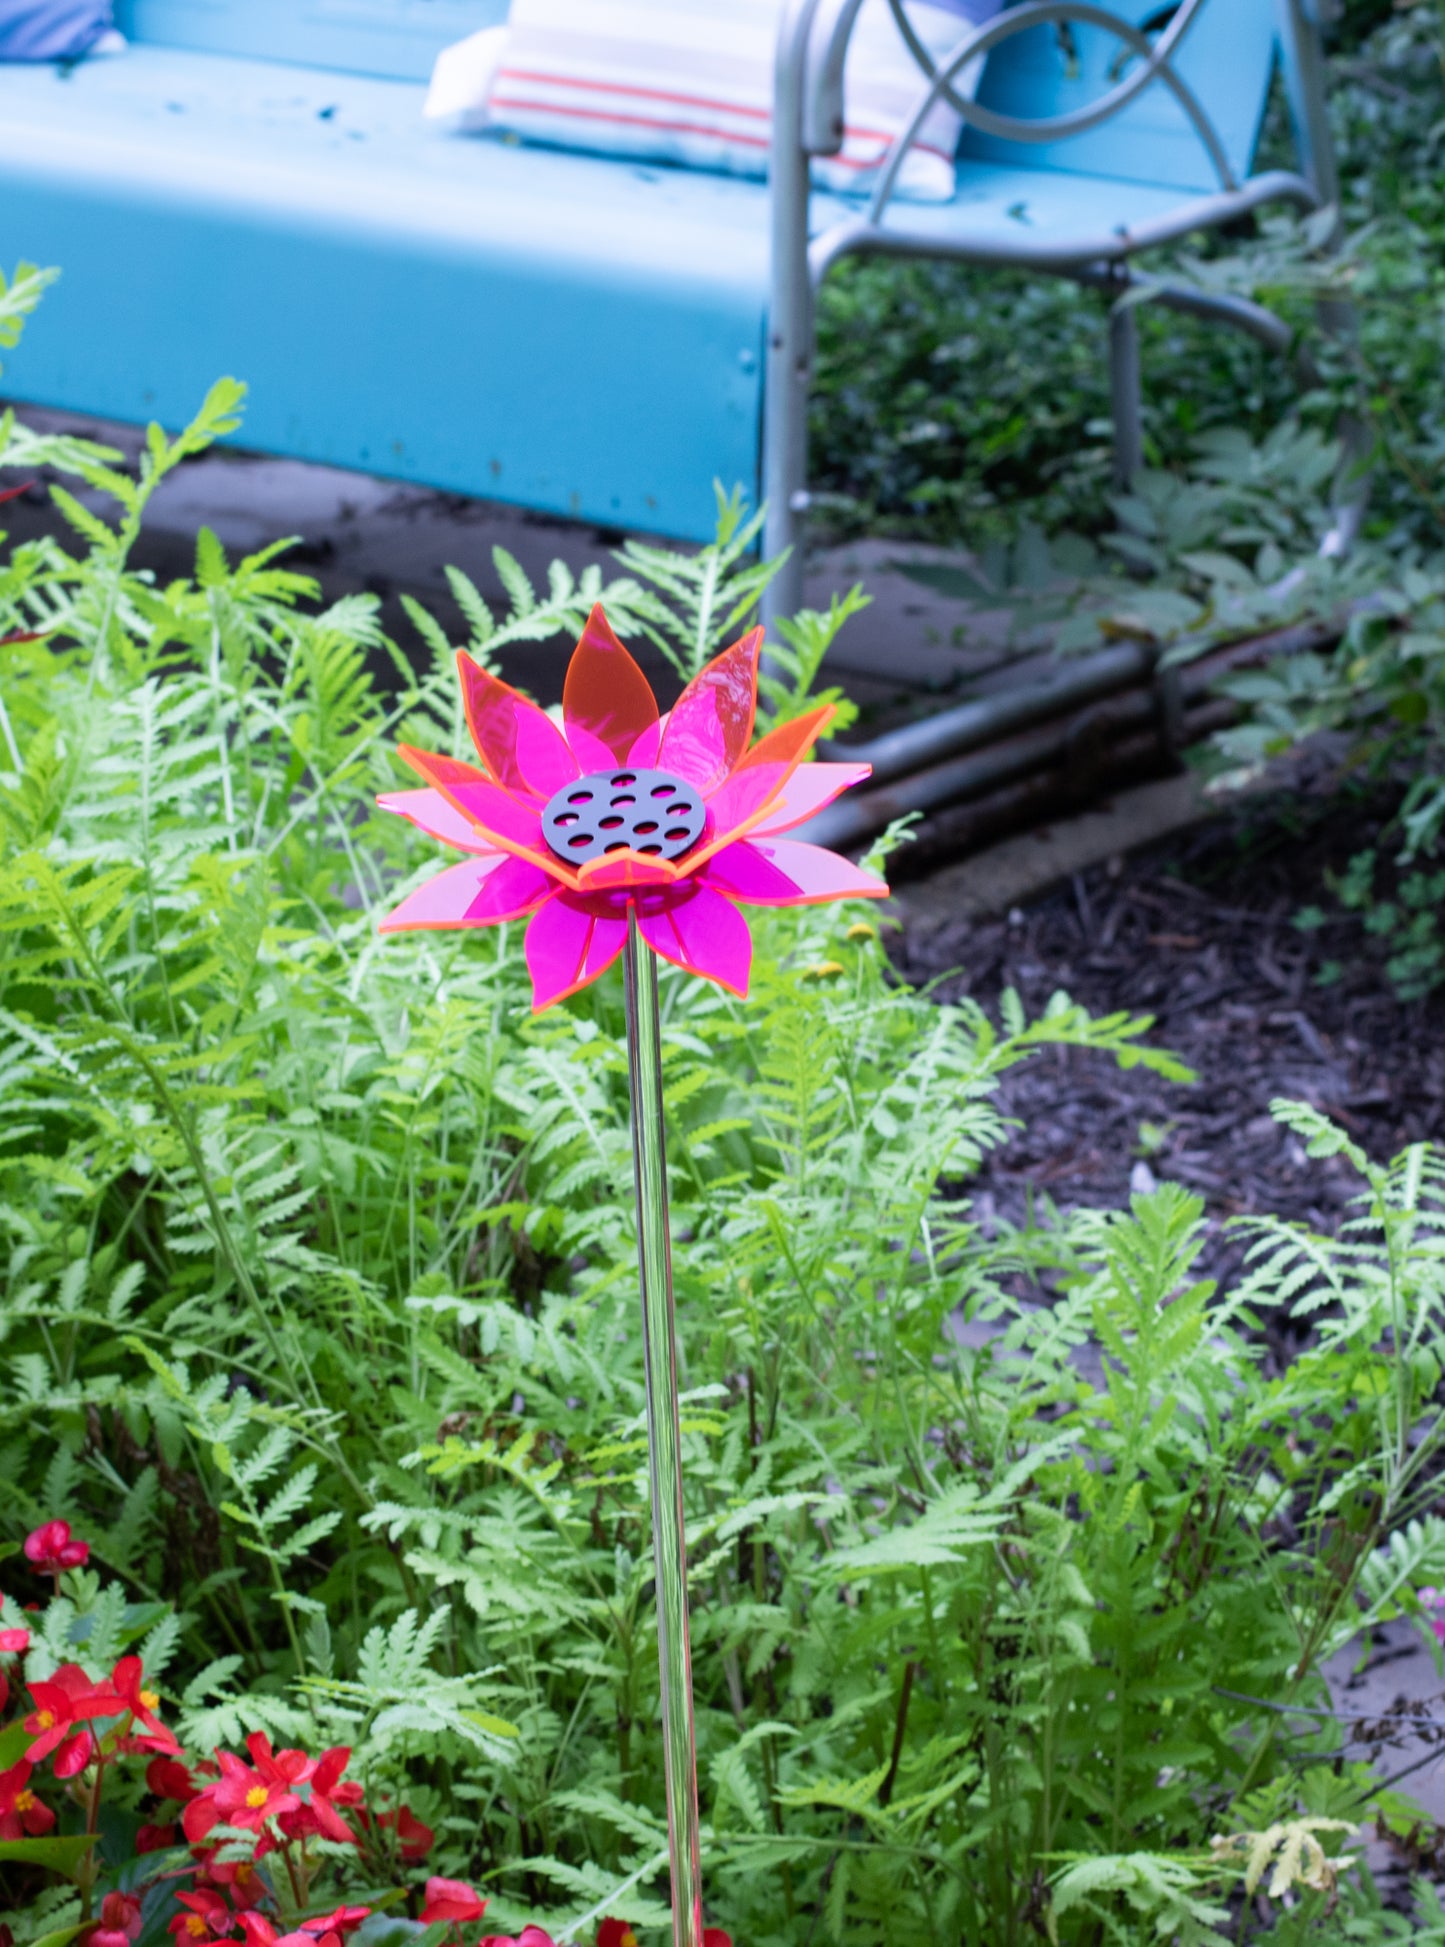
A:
396,39
1227,58
578,336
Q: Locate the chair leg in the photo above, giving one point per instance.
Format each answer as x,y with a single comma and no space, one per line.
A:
1125,389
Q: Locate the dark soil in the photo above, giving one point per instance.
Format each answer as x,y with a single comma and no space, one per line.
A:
1200,934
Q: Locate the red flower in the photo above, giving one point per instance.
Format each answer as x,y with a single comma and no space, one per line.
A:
245,1796
156,1838
345,1920
207,1918
14,1642
715,1937
50,1549
329,1931
243,1885
142,1704
119,1922
320,1779
413,1839
528,1937
451,1899
21,1813
616,1933
169,1778
69,1699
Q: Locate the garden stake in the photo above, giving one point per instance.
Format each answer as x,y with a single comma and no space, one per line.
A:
664,1434
627,834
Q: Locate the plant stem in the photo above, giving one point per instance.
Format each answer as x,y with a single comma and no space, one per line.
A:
664,1435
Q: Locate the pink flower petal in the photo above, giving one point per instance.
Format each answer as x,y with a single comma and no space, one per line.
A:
431,813
607,702
507,823
766,769
447,898
519,744
569,943
711,723
807,791
786,872
701,932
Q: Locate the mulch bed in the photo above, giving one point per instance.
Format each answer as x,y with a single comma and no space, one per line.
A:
1199,933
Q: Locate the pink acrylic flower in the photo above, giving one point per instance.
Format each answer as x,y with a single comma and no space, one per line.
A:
673,818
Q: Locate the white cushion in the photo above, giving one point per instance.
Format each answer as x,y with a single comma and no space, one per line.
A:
691,82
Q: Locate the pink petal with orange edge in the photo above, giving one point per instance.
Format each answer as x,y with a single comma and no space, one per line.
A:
607,702
509,823
617,869
711,724
556,946
431,813
519,744
742,798
478,892
807,791
609,936
569,943
787,872
702,933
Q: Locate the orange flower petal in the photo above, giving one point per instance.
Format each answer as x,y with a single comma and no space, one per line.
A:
607,702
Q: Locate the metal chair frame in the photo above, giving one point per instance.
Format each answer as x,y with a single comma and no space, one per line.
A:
808,121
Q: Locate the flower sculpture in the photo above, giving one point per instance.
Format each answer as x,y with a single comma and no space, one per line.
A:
623,830
672,818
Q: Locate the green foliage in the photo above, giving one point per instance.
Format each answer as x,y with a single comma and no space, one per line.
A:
319,1323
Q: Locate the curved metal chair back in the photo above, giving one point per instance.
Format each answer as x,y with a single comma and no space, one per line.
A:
1224,56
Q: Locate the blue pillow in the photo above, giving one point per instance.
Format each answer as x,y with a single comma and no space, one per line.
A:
51,30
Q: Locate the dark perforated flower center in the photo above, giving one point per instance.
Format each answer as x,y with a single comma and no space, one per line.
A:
649,812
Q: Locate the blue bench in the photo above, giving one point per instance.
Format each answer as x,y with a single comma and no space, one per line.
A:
252,189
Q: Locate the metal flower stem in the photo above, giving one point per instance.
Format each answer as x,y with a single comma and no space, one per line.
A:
664,1435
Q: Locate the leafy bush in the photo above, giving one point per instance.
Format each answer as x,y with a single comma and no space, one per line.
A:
319,1326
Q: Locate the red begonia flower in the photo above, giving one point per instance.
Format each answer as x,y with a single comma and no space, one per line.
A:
14,1642
716,1937
120,1921
320,1781
528,1937
345,1920
414,1840
239,1880
243,1795
616,1933
207,1917
169,1778
451,1899
51,1549
22,1815
156,1838
66,1700
126,1680
623,811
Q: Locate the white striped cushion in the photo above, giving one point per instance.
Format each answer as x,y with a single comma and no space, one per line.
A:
691,82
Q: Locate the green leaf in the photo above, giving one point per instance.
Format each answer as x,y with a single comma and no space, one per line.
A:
56,1855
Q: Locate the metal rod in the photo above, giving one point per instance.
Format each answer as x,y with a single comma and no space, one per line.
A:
664,1435
982,745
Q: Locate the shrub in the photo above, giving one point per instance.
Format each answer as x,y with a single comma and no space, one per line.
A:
319,1328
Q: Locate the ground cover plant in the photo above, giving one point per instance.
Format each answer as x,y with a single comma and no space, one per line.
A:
320,1426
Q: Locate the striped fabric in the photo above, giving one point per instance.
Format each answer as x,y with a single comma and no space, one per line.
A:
691,82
